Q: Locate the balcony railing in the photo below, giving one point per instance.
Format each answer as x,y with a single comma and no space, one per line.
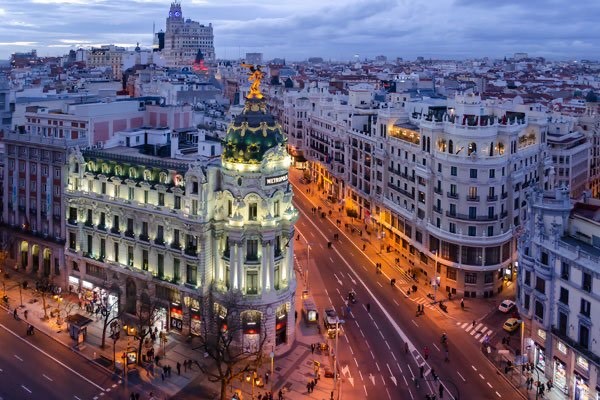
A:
466,217
452,195
72,221
159,241
503,214
492,198
129,233
115,230
437,209
176,245
438,191
472,198
144,237
504,195
191,251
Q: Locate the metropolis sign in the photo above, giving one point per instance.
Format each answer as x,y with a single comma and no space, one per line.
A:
274,180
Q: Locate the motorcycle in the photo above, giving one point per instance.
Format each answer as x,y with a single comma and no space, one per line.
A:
352,297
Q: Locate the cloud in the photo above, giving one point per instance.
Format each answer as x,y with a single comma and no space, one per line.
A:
18,43
328,28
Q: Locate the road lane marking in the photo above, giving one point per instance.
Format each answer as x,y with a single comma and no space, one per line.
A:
434,345
356,362
25,388
18,358
398,365
388,345
461,377
481,376
396,302
394,356
52,358
77,398
379,283
372,355
377,365
413,321
361,377
331,259
474,369
47,377
498,394
490,385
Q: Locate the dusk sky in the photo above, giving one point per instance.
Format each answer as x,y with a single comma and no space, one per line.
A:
336,30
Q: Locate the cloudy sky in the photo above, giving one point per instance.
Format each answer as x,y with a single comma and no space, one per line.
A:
332,29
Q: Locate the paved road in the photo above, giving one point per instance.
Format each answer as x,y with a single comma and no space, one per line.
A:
37,367
371,352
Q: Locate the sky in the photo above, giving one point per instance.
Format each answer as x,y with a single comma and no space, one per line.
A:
337,30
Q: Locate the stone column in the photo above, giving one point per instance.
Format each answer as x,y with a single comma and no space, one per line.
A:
265,283
240,266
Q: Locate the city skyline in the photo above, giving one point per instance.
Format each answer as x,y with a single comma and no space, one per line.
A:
444,29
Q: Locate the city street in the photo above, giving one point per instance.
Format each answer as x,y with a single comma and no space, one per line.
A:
372,350
36,367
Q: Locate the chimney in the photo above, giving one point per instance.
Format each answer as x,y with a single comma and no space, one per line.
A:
174,143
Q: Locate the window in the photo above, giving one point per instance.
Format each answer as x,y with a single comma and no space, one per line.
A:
488,276
528,278
472,212
439,167
160,234
584,336
130,193
452,209
451,273
453,171
452,227
176,270
252,211
490,230
160,265
473,173
562,323
176,237
471,277
539,310
453,189
72,241
276,208
145,260
191,274
544,258
492,173
252,282
146,196
587,282
252,249
177,205
526,301
144,234
116,252
103,187
130,256
90,244
564,296
229,208
472,231
161,199
564,271
585,308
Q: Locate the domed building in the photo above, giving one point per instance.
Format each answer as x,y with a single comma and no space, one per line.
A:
207,241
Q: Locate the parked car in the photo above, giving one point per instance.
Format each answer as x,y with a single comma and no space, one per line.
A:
506,306
511,325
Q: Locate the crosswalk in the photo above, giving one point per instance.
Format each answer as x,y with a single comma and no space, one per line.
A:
423,301
478,331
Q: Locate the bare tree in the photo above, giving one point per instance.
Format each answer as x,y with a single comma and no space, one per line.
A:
110,313
222,344
147,315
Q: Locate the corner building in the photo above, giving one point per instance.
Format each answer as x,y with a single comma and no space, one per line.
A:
186,233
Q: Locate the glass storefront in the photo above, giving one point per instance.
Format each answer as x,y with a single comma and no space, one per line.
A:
580,388
540,357
559,376
195,322
94,298
176,314
281,316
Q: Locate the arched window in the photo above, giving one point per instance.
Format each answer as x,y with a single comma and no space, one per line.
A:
472,148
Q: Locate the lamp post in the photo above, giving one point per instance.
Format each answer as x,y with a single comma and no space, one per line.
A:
272,367
435,280
115,332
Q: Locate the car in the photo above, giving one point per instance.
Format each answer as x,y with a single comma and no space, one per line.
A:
506,306
511,325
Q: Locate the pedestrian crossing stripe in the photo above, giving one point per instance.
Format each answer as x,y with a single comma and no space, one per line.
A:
479,332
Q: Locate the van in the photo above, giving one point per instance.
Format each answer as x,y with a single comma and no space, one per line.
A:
309,312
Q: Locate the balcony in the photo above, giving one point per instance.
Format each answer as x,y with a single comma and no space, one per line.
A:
409,177
438,191
503,214
472,198
575,345
492,198
159,241
144,237
191,251
129,234
452,195
404,192
102,227
115,230
504,195
72,221
437,209
176,245
465,217
89,224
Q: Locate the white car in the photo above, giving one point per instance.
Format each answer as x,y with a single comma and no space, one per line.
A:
506,306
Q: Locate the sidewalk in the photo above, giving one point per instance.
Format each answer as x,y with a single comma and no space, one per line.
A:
292,370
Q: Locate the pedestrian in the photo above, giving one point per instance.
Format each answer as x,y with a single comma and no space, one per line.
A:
15,314
312,348
162,374
421,371
441,391
368,307
137,396
169,370
266,378
426,352
473,323
435,377
132,396
178,368
406,347
308,387
447,359
184,365
26,313
280,395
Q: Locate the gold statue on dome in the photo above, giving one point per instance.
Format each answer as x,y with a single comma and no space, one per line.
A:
254,76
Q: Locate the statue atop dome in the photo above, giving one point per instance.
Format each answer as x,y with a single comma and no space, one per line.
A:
254,76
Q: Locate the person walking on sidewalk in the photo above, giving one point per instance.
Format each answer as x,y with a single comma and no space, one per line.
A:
15,316
178,368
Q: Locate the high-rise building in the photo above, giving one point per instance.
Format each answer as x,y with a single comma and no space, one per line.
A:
559,255
184,37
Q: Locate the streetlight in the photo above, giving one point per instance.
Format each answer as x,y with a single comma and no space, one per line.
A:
272,367
114,335
435,280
